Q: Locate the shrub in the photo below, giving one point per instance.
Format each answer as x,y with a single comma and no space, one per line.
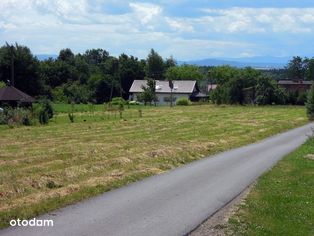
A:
310,104
71,113
44,111
17,116
117,103
183,102
43,117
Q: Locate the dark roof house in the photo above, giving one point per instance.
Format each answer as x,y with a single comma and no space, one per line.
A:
300,86
10,95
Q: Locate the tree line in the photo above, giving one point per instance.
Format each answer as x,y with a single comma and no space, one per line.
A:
96,76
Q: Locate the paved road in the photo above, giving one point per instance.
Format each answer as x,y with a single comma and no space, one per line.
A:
173,203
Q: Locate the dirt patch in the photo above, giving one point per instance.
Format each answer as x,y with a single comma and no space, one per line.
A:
217,224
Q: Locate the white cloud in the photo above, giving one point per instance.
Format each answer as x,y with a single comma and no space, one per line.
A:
254,20
50,25
146,12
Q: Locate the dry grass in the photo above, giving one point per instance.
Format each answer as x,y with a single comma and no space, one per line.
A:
46,167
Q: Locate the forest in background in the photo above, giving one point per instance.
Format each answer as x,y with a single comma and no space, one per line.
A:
96,76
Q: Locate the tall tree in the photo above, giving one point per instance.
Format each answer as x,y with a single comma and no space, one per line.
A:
184,72
26,68
296,68
309,74
129,70
155,65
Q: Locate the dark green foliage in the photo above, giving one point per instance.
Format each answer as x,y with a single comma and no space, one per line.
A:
155,65
268,92
43,117
185,72
247,87
119,102
296,68
149,94
97,77
129,69
16,116
310,104
44,111
26,69
183,102
71,113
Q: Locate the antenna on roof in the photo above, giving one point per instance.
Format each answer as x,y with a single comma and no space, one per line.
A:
11,47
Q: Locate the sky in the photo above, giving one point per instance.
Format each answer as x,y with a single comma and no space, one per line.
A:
184,29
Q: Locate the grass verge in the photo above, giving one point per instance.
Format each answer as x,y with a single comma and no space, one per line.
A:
282,202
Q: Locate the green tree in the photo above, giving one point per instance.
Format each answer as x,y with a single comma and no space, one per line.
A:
96,56
149,92
129,69
296,68
222,74
309,74
310,104
268,92
66,55
184,72
26,68
155,65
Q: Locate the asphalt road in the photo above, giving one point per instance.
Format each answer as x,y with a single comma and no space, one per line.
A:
173,203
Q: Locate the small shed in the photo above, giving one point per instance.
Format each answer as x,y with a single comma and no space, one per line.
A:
11,96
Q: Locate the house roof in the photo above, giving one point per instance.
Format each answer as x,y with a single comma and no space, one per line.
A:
200,95
179,86
10,93
294,82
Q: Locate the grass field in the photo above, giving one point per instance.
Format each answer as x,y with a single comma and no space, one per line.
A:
282,202
46,167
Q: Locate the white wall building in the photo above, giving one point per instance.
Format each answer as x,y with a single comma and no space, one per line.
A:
181,88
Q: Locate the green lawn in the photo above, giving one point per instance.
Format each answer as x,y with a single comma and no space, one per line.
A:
46,167
282,202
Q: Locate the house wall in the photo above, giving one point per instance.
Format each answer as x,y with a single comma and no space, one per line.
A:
301,88
161,97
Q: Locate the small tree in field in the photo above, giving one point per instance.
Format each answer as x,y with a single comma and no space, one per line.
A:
310,104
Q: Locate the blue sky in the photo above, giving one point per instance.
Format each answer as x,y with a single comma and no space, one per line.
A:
188,30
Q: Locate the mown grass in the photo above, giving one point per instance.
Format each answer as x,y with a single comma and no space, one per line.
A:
282,202
45,167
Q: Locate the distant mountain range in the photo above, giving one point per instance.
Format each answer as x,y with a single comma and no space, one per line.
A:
263,62
43,57
255,62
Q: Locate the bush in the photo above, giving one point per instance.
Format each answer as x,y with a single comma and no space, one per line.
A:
71,113
310,104
43,117
44,111
17,116
117,103
183,102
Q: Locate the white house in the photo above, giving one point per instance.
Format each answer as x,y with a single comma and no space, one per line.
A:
181,88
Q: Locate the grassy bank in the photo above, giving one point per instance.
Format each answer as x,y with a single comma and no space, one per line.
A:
282,202
46,167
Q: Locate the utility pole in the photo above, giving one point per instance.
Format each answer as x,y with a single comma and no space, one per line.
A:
171,88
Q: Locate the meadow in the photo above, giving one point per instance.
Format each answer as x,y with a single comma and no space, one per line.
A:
46,167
